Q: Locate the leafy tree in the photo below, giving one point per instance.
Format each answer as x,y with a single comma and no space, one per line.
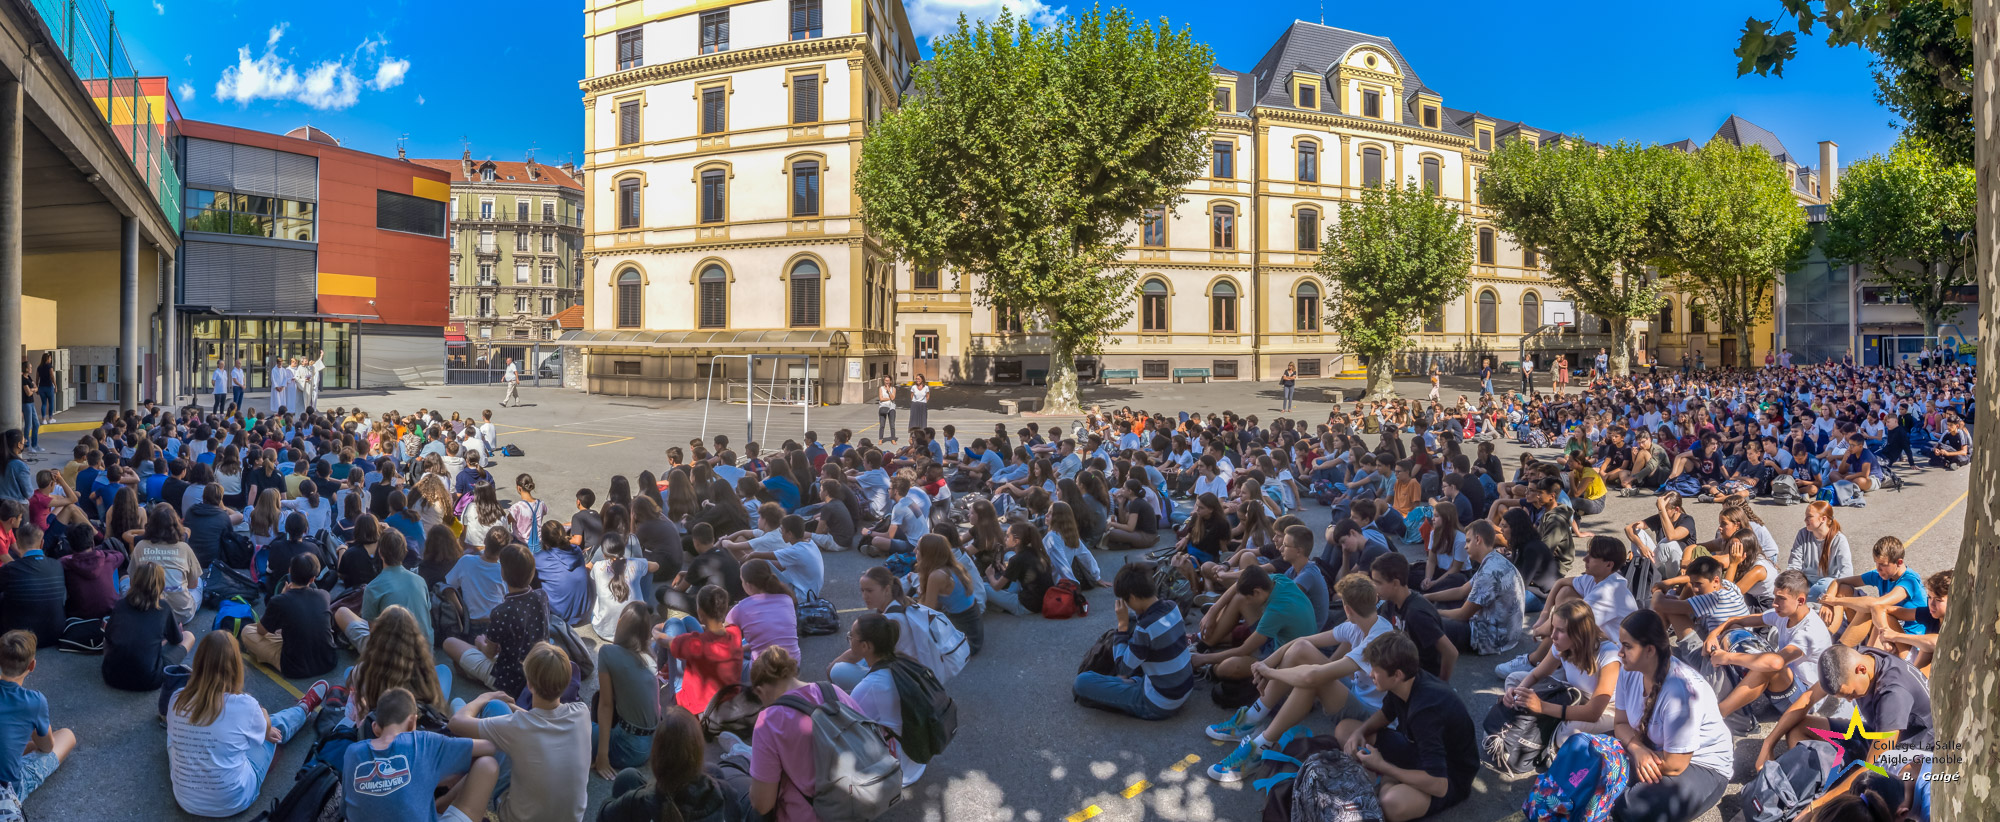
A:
1595,213
1906,217
1391,257
1022,157
1736,227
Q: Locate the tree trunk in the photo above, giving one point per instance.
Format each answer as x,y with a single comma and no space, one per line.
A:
1621,345
1062,396
1967,699
1744,356
1381,377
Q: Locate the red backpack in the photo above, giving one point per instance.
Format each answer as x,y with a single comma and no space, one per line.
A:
1064,600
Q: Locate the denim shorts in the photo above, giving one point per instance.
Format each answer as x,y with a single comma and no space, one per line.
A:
35,769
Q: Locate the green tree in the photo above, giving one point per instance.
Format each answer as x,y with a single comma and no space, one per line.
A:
1022,157
1398,253
1596,214
1736,228
1907,217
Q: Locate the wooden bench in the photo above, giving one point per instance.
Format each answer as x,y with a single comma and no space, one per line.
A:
1131,374
1183,374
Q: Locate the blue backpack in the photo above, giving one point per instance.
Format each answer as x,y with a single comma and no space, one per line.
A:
232,614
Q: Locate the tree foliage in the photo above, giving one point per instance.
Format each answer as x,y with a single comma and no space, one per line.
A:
1596,214
1736,228
1907,217
1389,258
1022,156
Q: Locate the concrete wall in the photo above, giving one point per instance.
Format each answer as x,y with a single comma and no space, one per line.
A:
82,289
389,362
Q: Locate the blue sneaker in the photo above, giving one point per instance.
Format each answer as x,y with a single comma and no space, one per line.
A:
1237,765
1237,726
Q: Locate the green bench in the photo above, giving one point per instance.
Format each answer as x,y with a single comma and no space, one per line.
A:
1119,374
1183,374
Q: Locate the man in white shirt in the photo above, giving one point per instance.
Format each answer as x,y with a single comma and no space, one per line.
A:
281,381
513,380
236,383
218,381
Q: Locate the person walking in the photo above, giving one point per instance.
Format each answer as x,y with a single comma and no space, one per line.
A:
1434,383
512,379
1528,374
1486,375
219,385
1289,381
237,382
885,410
920,404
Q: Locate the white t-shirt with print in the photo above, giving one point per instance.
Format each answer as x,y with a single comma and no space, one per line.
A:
1685,720
1361,684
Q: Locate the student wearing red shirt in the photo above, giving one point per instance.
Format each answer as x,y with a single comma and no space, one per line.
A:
713,657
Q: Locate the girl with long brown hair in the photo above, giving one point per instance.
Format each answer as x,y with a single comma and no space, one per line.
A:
220,742
1584,658
948,588
1820,551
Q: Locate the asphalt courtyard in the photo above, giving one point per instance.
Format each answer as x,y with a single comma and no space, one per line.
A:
1024,750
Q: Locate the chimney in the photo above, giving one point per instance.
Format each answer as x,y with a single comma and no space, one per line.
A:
569,169
533,173
401,153
1829,170
465,163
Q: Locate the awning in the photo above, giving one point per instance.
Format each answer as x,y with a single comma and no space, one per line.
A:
797,340
452,338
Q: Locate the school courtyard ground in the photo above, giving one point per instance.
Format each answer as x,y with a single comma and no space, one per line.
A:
1025,752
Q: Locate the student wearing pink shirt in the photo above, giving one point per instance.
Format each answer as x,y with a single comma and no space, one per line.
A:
781,747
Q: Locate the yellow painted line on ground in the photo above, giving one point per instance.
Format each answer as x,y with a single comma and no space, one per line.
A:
1081,815
1182,766
274,677
1937,519
1136,788
65,427
613,442
517,429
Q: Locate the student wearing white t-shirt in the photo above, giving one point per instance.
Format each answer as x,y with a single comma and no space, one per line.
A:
1584,658
1300,676
1773,681
799,560
1667,719
873,637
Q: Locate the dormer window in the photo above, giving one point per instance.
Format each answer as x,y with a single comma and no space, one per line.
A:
1485,139
1308,96
1225,99
1371,103
1430,117
486,174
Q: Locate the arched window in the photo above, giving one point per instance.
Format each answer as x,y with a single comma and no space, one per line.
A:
805,188
1222,308
1531,312
1222,227
714,298
1306,303
1697,324
1308,229
1489,312
1308,162
805,294
1433,175
629,314
1486,246
1371,166
1666,317
1153,306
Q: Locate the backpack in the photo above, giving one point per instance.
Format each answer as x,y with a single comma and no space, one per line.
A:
817,617
315,796
1785,490
232,614
947,651
227,583
449,618
1517,742
733,709
511,451
236,549
1787,784
1063,601
930,718
1588,775
82,636
1312,780
1413,525
564,637
1173,586
1102,657
856,777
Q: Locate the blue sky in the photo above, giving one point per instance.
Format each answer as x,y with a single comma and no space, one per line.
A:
502,74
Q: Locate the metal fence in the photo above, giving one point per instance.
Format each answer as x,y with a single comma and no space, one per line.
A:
470,363
87,33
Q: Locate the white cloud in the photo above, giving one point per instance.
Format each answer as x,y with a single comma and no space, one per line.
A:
190,59
420,99
328,84
158,7
185,90
930,18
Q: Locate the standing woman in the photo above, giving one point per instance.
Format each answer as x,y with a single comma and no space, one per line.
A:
1671,726
920,404
885,410
1289,380
1434,383
1561,375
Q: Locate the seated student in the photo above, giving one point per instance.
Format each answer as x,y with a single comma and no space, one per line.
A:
563,574
1271,609
780,748
1426,764
1295,547
768,614
1582,657
1414,615
872,637
627,694
798,560
30,748
1299,675
544,749
1137,524
1600,586
1151,649
295,635
1773,681
1659,537
33,595
1673,732
1488,619
275,558
1697,603
675,777
711,658
1894,586
220,742
1922,647
1888,693
909,520
395,774
396,585
478,576
616,582
711,565
521,620
1953,448
833,520
1068,556
142,638
945,586
1445,564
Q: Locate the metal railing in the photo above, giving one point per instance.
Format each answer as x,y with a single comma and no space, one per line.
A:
87,34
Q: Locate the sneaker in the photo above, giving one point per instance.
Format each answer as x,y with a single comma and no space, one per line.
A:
1237,726
315,695
1517,665
1237,765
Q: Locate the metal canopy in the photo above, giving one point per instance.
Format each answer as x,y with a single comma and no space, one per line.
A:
809,339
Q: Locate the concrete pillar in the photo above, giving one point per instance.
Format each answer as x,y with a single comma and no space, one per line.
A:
128,313
12,126
170,329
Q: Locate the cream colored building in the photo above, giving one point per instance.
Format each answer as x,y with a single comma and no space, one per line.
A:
721,143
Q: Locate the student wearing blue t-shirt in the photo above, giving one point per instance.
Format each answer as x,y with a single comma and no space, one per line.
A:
1894,584
30,749
394,775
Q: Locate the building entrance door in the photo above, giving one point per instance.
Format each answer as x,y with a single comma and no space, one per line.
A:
1728,354
924,356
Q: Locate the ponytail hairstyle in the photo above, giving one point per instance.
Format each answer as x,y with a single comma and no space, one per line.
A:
880,632
892,583
1030,539
760,574
711,603
309,490
1825,510
613,546
1647,629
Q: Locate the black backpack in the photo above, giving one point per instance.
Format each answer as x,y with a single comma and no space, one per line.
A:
1517,742
449,618
930,718
314,797
236,549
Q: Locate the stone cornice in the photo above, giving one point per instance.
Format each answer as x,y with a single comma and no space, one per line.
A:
728,61
1329,121
775,242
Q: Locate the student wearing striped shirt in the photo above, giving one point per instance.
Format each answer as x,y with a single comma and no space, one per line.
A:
1710,600
1151,650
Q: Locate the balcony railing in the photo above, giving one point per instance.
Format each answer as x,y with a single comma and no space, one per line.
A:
87,34
513,217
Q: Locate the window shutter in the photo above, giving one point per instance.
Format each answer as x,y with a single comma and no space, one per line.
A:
714,304
805,98
628,123
711,110
805,298
812,15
